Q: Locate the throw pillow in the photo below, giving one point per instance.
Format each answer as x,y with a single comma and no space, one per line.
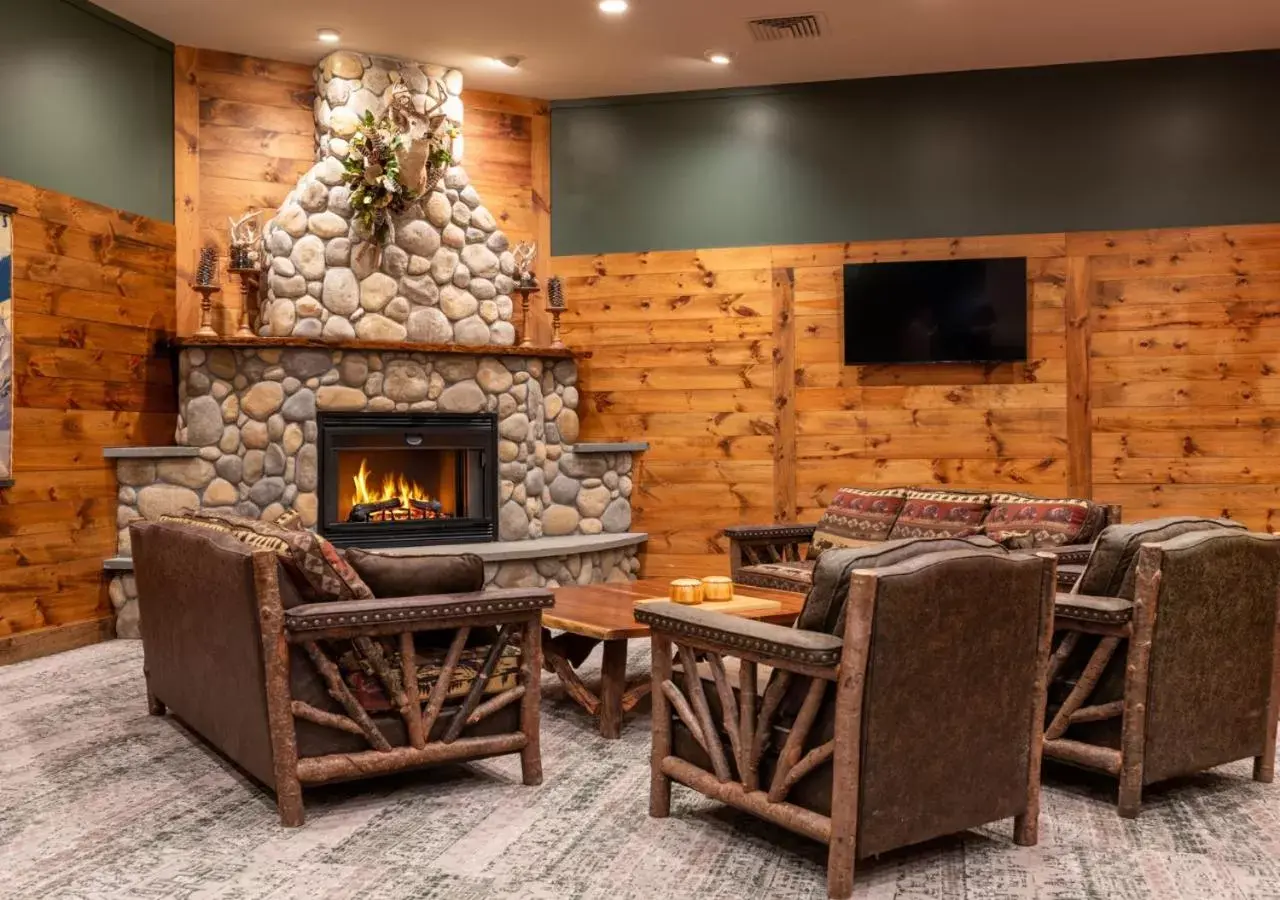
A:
403,575
935,514
856,516
1051,523
319,571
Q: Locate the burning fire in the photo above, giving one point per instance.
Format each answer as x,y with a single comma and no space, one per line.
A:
413,502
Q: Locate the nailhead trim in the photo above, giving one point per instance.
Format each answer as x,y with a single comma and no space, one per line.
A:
1067,611
313,622
739,642
782,533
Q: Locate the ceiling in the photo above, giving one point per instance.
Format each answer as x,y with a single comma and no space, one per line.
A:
572,50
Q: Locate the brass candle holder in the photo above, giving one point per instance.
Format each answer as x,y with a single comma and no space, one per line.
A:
526,287
250,279
206,292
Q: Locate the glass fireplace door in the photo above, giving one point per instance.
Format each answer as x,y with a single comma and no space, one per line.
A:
408,478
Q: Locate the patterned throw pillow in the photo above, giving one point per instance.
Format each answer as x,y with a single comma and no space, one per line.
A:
936,514
320,573
856,516
1052,523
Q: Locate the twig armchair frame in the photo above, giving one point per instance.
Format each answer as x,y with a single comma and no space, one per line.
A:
826,749
1184,676
232,651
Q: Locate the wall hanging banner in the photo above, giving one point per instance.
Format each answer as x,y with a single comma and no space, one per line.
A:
6,345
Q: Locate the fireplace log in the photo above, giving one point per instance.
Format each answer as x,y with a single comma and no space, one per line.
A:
364,512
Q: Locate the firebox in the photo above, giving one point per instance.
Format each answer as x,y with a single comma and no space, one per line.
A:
399,479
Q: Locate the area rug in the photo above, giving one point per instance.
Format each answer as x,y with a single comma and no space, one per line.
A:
100,800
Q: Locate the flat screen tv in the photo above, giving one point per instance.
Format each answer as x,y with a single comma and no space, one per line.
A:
959,310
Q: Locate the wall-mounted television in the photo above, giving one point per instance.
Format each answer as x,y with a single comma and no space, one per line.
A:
946,311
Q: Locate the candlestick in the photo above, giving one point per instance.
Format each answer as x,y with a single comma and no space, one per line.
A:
524,288
250,278
206,292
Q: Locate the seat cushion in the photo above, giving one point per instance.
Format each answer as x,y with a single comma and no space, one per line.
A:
1051,523
1111,571
390,574
796,577
938,514
857,515
361,676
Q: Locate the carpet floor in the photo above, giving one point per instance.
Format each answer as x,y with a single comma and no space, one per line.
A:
100,800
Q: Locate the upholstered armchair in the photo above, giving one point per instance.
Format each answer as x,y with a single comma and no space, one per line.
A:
906,704
1165,656
300,693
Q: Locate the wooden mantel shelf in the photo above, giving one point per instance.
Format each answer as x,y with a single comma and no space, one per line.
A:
192,341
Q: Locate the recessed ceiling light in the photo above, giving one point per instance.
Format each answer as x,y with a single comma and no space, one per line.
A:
613,7
719,57
328,35
507,62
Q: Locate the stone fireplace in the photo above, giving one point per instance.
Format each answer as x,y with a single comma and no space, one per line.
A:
383,400
404,479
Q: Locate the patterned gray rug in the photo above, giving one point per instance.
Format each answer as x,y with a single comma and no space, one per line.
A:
100,800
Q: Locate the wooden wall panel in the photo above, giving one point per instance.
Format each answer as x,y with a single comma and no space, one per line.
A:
1185,371
254,139
1153,381
93,305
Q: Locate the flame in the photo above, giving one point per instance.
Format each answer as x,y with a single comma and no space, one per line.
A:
394,487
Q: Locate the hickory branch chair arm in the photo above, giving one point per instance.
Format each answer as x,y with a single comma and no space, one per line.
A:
754,545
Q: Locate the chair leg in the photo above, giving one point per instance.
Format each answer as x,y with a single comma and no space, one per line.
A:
289,804
1264,767
530,707
659,783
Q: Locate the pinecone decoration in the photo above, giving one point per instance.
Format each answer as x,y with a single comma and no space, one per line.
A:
207,268
555,293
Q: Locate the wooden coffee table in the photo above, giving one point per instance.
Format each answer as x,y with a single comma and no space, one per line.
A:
604,613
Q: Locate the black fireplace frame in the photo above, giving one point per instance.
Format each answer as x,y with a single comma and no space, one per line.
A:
426,430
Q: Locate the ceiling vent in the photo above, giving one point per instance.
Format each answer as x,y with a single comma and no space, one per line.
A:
808,26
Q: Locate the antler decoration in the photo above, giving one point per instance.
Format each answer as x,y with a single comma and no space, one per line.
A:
244,229
525,252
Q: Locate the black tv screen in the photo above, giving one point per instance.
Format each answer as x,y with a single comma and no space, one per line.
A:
960,310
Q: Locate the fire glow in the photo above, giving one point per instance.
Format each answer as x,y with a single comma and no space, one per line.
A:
397,500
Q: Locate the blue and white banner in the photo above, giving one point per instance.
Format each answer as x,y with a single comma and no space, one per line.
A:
6,346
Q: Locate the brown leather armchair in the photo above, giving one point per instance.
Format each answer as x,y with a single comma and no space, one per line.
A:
232,649
909,711
1144,695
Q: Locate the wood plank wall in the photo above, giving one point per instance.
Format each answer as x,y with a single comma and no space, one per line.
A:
1151,381
93,299
244,135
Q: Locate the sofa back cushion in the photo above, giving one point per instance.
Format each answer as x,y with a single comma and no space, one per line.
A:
856,515
824,604
937,514
1051,523
1112,567
316,567
416,574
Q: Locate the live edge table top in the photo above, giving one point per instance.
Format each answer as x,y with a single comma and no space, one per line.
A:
607,611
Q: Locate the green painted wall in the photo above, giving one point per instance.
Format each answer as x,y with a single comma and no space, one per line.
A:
86,105
1143,144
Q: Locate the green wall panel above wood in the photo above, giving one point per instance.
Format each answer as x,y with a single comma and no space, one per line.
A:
86,105
1138,144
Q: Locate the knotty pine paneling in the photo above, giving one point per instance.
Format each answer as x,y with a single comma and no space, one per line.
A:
1185,371
245,135
93,304
1153,381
